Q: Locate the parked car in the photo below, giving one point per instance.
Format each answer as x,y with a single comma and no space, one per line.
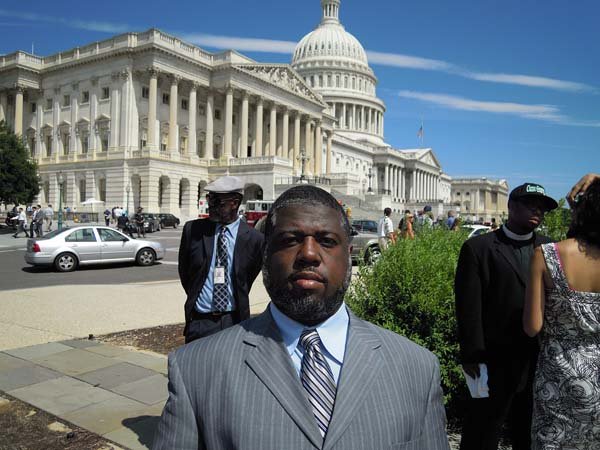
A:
365,247
168,220
476,230
71,247
151,222
365,225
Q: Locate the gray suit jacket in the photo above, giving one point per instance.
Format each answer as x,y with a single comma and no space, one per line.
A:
238,389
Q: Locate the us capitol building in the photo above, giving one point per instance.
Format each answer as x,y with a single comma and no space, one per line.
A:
147,119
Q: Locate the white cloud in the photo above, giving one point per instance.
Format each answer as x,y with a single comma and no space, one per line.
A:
240,43
526,80
548,113
287,47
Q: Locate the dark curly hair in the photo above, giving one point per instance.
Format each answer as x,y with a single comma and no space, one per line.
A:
585,224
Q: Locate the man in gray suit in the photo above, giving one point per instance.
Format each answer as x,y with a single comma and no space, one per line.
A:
306,373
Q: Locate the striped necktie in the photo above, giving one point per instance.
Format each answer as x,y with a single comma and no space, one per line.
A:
317,379
221,291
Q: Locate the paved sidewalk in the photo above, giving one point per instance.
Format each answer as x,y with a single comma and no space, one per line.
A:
112,391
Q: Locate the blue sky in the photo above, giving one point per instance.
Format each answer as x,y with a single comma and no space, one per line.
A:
505,89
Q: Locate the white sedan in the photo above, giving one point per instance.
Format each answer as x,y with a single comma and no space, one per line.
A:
71,247
476,230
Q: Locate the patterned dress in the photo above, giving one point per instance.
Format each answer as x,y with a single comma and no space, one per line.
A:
566,393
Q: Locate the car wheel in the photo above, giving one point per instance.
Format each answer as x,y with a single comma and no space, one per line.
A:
145,257
151,230
66,262
372,254
175,225
158,227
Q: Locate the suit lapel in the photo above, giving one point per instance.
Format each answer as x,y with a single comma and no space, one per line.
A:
209,239
509,256
271,363
362,364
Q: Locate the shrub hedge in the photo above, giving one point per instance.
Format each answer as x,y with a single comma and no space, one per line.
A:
410,291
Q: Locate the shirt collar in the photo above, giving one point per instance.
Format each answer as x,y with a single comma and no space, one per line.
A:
232,227
333,332
516,237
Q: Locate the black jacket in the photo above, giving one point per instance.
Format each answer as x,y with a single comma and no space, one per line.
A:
195,256
490,294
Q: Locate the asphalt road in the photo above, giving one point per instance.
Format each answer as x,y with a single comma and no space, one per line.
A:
15,273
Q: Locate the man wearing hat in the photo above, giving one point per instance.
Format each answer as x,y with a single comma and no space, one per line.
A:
219,259
490,284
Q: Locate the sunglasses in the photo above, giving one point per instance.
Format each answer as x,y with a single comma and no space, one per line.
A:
217,200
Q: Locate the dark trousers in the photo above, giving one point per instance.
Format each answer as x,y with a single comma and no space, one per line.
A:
508,404
22,226
203,325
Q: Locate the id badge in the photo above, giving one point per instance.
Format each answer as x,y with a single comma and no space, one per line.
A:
219,275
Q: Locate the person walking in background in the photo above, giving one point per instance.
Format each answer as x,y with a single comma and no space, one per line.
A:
40,221
407,230
48,217
21,220
489,287
107,216
563,303
219,259
139,222
306,373
385,229
33,223
451,219
123,224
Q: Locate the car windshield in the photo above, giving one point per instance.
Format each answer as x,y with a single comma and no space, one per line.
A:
54,233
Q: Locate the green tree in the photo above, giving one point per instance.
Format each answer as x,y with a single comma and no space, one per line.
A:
556,223
19,182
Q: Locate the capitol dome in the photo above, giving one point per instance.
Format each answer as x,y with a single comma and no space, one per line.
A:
330,41
334,64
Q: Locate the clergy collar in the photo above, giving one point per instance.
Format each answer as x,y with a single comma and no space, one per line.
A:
516,237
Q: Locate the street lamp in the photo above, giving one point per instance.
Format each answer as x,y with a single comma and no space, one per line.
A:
370,175
61,183
303,158
127,189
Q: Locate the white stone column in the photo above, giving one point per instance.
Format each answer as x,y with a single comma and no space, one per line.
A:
210,114
396,178
285,128
55,122
244,127
318,149
19,110
173,109
382,124
124,114
273,131
152,142
307,148
328,155
353,119
228,122
333,110
297,134
259,128
74,106
192,115
93,113
413,185
402,185
114,113
3,105
386,178
39,120
343,116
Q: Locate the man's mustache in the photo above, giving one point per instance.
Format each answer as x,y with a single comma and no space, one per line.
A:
308,273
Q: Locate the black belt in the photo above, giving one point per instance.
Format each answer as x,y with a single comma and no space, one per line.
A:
210,315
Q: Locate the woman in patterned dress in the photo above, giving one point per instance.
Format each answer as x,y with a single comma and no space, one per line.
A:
563,302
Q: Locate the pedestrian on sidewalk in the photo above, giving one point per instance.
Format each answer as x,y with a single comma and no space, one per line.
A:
33,223
39,221
219,259
139,222
21,220
48,216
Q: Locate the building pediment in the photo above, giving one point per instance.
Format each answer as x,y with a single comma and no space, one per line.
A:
429,158
283,77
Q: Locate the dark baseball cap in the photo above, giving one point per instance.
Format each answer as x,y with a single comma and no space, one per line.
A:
533,190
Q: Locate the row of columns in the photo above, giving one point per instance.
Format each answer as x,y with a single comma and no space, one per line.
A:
358,117
313,140
18,92
423,185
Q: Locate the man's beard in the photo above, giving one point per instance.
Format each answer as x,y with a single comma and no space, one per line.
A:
305,308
